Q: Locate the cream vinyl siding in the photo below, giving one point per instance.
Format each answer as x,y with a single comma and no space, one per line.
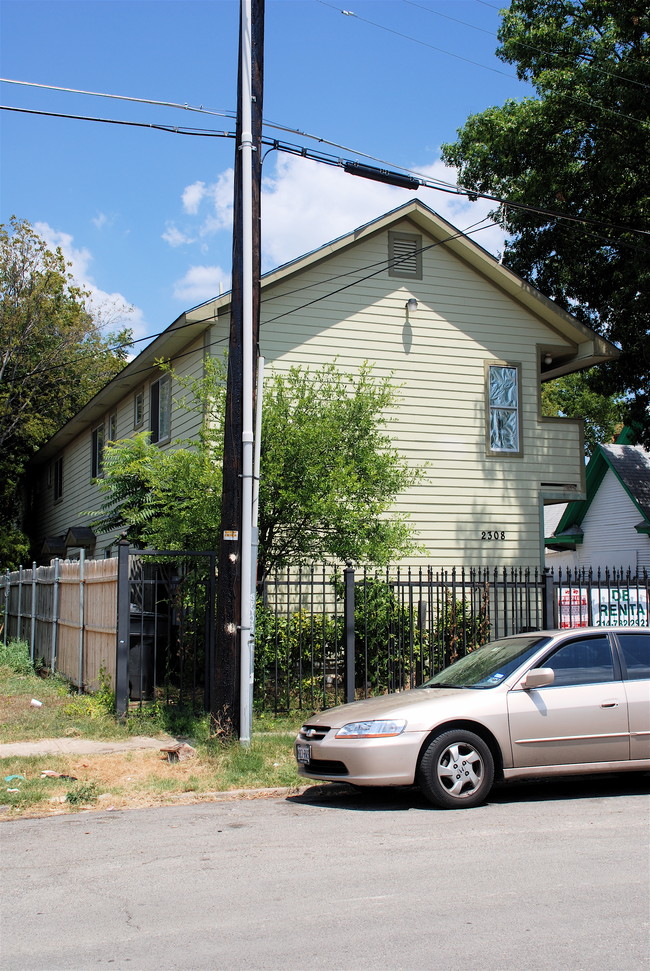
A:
80,494
437,355
341,304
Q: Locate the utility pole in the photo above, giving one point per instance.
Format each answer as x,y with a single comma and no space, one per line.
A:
235,590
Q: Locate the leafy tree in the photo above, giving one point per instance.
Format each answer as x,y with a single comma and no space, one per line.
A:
329,470
573,396
53,358
581,147
329,473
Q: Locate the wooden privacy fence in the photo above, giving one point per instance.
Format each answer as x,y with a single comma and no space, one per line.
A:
67,613
324,634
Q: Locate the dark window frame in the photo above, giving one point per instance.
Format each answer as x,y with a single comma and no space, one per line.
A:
97,443
138,407
57,479
159,394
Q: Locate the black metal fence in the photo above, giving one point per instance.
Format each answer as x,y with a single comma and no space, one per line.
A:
165,627
327,634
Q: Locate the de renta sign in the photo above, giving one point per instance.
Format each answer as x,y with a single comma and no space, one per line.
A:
602,607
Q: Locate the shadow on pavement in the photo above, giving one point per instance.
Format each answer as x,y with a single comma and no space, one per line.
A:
396,799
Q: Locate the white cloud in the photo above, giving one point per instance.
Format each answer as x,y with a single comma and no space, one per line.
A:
110,310
192,197
306,204
175,237
201,283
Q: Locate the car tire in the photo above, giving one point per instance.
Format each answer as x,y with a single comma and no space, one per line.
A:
456,770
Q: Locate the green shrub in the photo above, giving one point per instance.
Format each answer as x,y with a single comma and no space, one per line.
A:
459,628
15,655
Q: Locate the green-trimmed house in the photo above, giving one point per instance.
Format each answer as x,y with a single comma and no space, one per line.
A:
610,527
468,342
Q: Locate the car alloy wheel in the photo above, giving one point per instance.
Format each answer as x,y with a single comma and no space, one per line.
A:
456,770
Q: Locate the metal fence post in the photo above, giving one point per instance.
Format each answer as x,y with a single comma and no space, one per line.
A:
549,619
82,563
7,593
19,618
123,622
32,630
55,613
348,618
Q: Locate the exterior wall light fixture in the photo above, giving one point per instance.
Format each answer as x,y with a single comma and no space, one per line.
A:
411,305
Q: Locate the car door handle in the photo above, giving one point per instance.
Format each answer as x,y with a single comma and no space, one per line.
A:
609,704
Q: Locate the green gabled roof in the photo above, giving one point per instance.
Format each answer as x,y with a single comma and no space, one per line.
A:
631,465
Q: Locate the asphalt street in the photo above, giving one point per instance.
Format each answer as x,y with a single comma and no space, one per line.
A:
543,877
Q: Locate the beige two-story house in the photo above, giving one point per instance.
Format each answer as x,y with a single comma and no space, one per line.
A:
467,341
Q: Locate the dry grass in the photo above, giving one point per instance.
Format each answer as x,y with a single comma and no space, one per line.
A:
144,777
125,779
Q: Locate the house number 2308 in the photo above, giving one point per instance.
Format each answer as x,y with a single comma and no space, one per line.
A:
494,534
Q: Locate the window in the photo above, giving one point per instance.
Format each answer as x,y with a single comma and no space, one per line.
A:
57,478
161,409
112,427
97,451
138,408
636,654
584,661
503,408
405,256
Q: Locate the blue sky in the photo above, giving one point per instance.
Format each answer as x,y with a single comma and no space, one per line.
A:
145,216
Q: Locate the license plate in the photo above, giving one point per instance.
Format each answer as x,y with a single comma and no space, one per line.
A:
303,753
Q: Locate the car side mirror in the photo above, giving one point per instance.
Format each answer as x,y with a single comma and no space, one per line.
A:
538,678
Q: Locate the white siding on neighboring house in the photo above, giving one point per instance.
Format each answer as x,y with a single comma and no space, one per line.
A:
610,539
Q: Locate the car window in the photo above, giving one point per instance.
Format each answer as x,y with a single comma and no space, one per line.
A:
636,654
587,660
487,666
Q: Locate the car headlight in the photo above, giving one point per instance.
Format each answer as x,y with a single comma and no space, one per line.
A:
373,729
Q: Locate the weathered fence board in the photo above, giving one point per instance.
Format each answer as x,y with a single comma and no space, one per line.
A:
324,634
67,613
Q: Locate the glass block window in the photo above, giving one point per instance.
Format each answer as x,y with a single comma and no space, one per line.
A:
503,399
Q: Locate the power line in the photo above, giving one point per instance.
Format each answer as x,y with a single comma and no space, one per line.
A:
123,97
440,50
416,40
201,109
532,47
355,168
173,129
375,268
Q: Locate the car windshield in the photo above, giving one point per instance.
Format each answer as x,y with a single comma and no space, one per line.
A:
489,665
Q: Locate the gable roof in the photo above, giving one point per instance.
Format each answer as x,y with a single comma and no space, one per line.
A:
584,348
631,466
